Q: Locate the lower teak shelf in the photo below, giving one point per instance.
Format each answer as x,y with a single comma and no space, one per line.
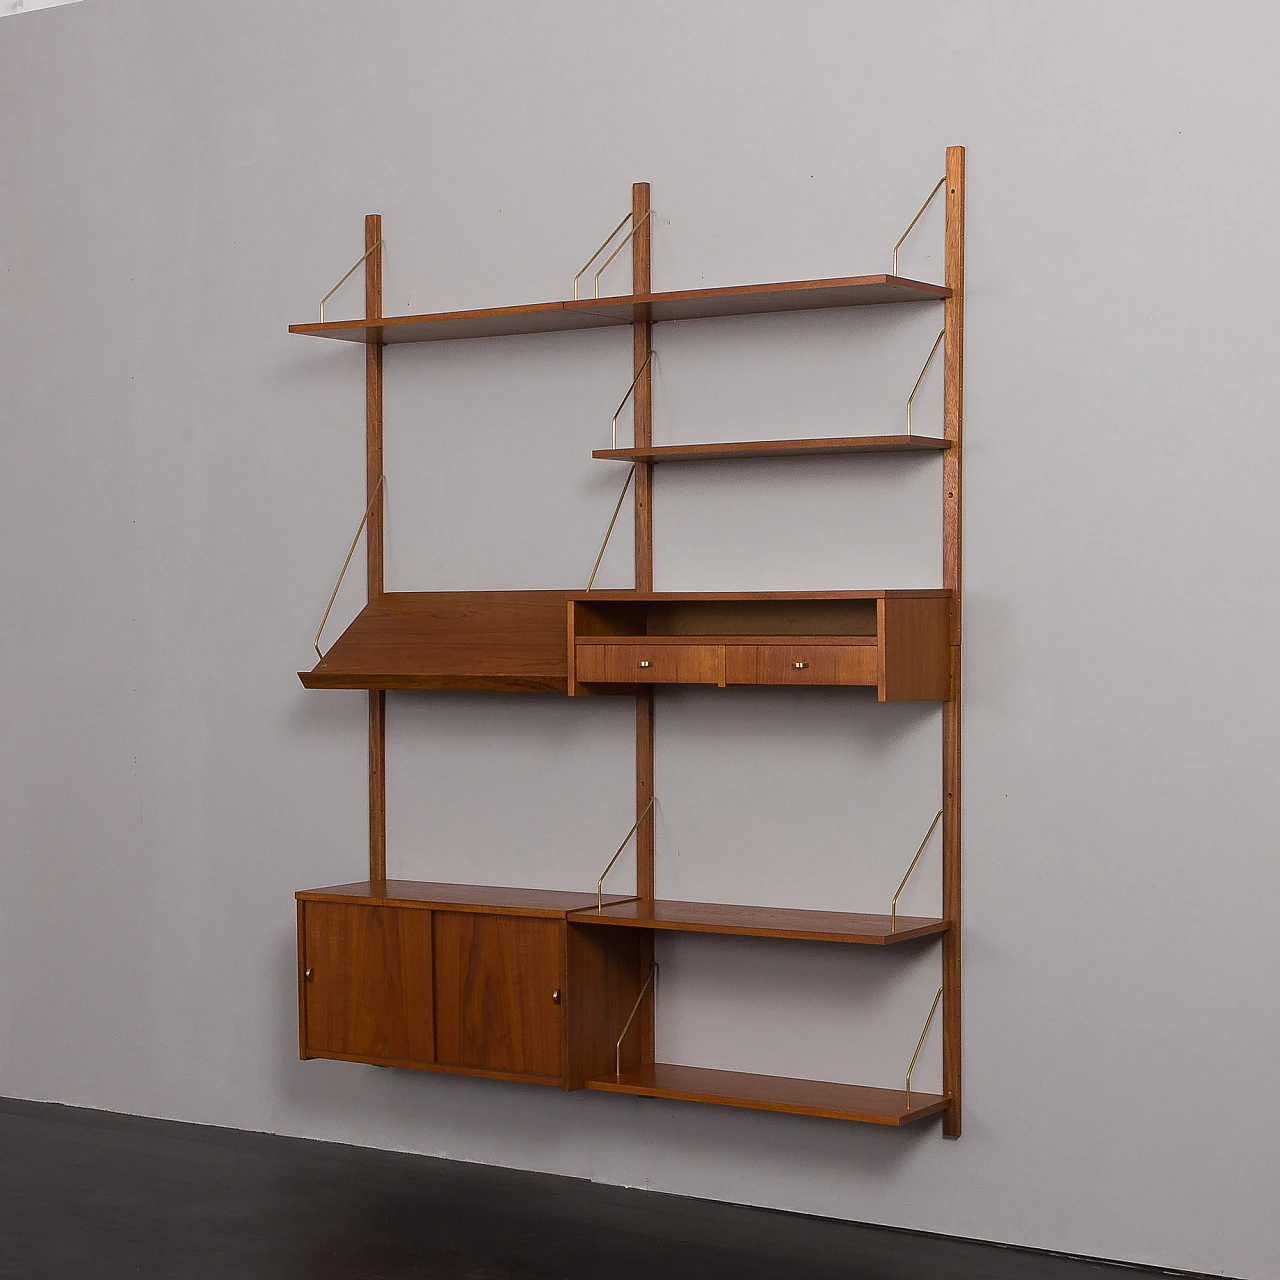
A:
773,1093
537,985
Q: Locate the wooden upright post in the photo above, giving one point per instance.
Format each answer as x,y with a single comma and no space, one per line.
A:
952,409
642,401
375,496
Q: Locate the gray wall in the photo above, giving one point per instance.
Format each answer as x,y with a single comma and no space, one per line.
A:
184,179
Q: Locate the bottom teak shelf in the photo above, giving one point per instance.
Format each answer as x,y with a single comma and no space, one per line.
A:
773,1093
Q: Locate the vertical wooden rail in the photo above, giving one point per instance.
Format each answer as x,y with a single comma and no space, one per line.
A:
373,541
642,407
953,413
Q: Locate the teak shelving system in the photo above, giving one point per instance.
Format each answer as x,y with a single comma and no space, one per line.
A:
554,987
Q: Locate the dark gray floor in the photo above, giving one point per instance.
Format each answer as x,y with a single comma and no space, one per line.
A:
88,1194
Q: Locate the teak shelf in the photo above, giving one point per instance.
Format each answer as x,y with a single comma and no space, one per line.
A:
637,308
821,447
773,1093
559,988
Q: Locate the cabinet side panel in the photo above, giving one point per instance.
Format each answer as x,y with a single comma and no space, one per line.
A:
496,979
302,981
604,976
917,650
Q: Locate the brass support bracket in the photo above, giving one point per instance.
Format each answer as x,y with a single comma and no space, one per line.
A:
608,241
336,287
617,412
893,906
942,182
651,980
920,1044
635,826
933,352
608,533
364,520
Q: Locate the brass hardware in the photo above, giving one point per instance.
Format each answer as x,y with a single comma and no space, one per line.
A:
893,906
614,254
635,1008
608,533
627,397
937,342
555,996
377,489
800,666
634,826
942,182
644,663
347,277
920,1044
310,975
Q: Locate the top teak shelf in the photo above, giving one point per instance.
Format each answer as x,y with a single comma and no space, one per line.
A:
603,313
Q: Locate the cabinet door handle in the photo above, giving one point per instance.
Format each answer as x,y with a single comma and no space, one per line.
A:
800,666
310,975
644,662
555,996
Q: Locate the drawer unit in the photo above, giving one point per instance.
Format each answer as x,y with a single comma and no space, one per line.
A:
650,663
802,664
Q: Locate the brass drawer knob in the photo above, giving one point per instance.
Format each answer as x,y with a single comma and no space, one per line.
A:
555,996
799,666
644,662
310,975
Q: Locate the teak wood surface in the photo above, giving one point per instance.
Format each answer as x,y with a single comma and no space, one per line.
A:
668,915
635,308
498,992
547,904
772,1093
819,447
375,502
367,982
505,641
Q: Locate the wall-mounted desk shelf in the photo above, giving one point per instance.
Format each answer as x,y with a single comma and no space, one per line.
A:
822,447
643,308
478,641
559,988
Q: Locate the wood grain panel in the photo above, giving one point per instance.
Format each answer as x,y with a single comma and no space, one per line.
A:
511,641
550,904
604,968
821,447
915,651
370,991
496,978
592,313
667,915
823,664
952,493
773,1093
649,664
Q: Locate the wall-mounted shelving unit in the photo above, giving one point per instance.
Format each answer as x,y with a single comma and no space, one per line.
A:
559,988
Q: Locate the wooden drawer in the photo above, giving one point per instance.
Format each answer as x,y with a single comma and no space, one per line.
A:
802,664
649,664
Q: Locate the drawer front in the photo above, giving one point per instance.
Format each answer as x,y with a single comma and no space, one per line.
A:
649,664
802,664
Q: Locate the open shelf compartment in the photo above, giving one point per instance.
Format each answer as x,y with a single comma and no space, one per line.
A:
896,642
669,915
603,313
855,1102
